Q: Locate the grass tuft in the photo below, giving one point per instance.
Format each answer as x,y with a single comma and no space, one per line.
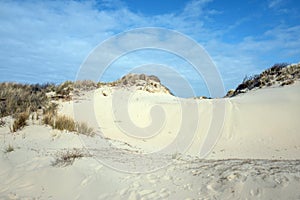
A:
64,123
9,149
20,121
2,122
83,128
67,158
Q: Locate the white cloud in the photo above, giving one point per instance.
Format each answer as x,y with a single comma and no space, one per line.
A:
274,3
195,8
48,40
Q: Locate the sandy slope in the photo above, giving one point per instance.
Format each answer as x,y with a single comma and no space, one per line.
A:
256,156
261,124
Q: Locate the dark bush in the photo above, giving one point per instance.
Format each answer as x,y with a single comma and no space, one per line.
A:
280,73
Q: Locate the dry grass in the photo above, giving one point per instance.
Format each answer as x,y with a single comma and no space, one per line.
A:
48,119
65,123
20,121
65,88
9,149
85,85
49,113
67,158
51,109
62,122
2,122
15,98
83,128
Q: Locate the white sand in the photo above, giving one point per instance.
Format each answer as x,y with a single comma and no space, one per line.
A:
262,124
256,156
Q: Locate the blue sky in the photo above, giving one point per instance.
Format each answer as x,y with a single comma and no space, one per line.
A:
47,41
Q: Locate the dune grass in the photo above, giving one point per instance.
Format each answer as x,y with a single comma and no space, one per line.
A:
16,98
66,158
2,122
19,100
83,128
9,149
20,121
63,122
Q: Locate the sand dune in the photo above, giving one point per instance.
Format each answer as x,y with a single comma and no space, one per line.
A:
256,154
261,124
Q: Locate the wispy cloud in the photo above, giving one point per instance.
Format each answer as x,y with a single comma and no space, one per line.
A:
50,43
274,3
195,8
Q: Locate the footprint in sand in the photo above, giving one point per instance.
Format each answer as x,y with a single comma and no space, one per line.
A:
135,185
103,196
255,192
232,177
282,180
148,194
85,181
164,193
214,186
134,196
152,178
167,178
124,192
188,186
128,190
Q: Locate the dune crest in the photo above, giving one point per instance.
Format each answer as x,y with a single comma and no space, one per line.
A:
141,82
278,75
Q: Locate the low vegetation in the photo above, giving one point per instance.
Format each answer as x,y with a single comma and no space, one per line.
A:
83,128
63,122
20,100
142,82
279,74
20,121
49,114
86,85
2,122
16,98
68,157
9,149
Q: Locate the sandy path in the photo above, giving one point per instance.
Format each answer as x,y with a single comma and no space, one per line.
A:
29,172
